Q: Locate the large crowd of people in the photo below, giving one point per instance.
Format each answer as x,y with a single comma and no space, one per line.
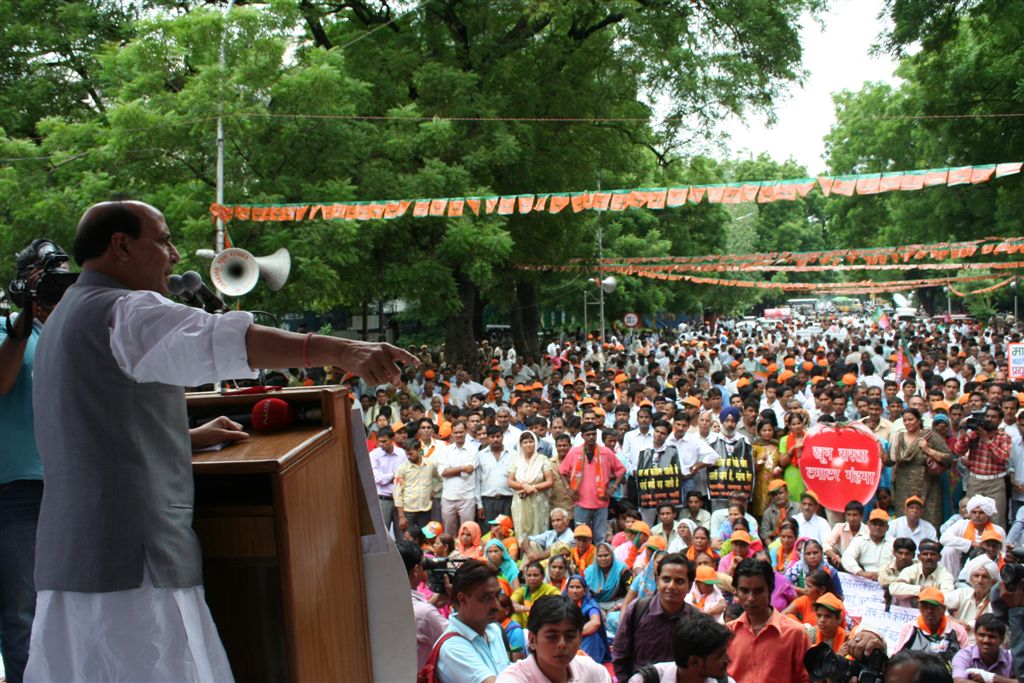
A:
532,476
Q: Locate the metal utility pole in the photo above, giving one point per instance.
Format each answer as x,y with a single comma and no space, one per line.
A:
218,245
600,264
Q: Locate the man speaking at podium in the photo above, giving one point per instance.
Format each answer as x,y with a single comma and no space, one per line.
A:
118,567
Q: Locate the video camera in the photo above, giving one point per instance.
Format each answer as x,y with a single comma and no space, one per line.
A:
823,664
54,280
975,420
1013,570
439,567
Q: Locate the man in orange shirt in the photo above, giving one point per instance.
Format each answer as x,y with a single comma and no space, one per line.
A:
766,646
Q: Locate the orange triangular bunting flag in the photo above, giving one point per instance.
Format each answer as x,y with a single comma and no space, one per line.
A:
601,201
421,208
715,194
826,184
935,176
558,202
748,192
696,195
656,199
540,203
474,205
506,205
490,204
437,206
912,181
844,185
619,201
959,176
676,196
980,174
525,203
455,207
767,194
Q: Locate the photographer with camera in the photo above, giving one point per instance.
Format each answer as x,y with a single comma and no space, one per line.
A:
429,622
985,450
42,277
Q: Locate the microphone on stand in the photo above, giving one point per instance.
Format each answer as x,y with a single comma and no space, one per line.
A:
193,282
175,287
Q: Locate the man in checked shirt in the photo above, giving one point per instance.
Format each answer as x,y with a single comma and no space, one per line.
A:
985,451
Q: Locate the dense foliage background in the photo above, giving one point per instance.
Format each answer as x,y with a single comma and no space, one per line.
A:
351,100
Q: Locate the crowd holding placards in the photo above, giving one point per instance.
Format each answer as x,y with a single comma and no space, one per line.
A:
663,476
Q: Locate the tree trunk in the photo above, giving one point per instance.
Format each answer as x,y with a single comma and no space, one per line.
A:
525,320
460,344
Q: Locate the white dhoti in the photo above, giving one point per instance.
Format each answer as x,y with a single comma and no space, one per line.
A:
143,635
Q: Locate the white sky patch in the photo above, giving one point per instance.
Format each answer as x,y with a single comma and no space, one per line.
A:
836,57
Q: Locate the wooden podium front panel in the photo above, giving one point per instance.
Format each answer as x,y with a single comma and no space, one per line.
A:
278,518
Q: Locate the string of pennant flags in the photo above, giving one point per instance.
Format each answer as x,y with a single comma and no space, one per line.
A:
858,287
627,269
656,198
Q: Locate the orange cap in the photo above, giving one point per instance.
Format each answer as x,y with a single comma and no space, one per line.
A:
772,367
807,366
740,536
913,499
657,543
445,430
692,401
849,379
789,362
933,595
785,374
831,602
991,535
583,530
621,377
776,484
640,527
877,514
707,575
743,381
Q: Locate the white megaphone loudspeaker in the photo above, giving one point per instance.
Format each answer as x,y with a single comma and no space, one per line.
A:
608,284
235,271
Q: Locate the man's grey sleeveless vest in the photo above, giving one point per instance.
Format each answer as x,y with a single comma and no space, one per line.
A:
117,461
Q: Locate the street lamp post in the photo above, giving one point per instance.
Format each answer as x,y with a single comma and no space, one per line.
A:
949,304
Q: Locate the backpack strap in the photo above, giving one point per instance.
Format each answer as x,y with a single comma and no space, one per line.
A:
426,674
642,605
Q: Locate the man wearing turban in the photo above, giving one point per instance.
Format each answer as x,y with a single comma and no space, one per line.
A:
734,470
965,537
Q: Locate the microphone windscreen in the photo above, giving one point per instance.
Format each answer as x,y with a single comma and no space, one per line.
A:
271,415
191,281
174,286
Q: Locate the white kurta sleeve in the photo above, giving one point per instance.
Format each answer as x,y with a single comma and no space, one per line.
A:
154,339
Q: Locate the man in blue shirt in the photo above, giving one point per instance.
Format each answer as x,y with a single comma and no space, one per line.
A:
476,654
21,472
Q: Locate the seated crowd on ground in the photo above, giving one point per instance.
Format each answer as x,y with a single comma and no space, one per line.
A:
533,472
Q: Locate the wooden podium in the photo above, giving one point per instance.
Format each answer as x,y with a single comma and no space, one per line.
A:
279,517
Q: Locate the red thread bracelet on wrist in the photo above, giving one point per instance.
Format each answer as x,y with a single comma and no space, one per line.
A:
305,350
